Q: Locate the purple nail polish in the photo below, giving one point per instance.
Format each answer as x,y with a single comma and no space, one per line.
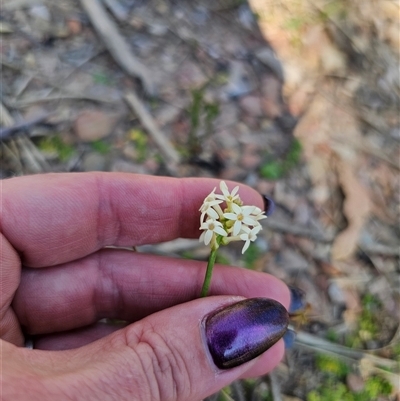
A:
240,332
297,302
269,205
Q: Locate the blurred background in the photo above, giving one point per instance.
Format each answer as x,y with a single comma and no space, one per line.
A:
298,99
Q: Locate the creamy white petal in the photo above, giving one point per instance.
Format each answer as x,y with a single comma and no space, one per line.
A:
250,221
208,236
201,239
230,216
212,213
236,208
220,231
236,227
245,246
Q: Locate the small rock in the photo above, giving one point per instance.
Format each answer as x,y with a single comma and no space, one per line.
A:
40,11
251,105
246,16
190,76
167,114
92,125
302,213
355,382
129,151
5,28
200,15
250,159
151,165
74,26
158,28
227,117
336,294
94,161
292,260
268,57
271,88
238,81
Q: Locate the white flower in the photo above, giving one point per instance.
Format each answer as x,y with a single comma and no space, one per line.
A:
212,227
227,196
258,214
249,235
208,206
241,215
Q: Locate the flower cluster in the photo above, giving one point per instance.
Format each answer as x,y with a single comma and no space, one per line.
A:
233,223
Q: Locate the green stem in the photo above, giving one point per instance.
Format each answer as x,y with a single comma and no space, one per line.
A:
207,278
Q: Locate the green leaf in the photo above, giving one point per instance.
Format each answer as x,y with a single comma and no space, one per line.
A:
272,170
57,145
101,147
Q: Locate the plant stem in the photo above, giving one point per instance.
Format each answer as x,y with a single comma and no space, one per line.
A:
207,278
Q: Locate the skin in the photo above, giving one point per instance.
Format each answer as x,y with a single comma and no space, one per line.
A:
57,281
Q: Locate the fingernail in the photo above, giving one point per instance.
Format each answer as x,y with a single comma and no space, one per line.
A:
240,332
297,299
269,205
289,338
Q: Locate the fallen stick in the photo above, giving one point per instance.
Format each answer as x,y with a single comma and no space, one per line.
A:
301,231
23,125
171,155
116,44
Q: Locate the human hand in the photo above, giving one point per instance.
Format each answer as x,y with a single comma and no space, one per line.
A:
57,281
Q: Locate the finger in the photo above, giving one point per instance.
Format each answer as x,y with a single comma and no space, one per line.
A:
55,218
171,355
75,338
81,337
125,285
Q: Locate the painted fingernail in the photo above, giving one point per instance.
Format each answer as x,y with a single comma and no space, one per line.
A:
269,205
297,299
289,338
240,332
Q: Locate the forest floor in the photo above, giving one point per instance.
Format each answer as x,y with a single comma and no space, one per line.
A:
298,99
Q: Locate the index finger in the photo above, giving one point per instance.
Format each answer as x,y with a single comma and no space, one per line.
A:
56,218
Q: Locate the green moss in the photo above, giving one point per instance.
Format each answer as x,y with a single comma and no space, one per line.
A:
295,23
140,140
332,9
275,169
375,386
54,144
332,336
102,79
272,170
101,147
332,366
333,387
330,392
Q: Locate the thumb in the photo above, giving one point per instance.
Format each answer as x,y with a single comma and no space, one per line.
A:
186,352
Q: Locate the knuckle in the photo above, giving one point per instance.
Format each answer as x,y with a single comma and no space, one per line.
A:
162,363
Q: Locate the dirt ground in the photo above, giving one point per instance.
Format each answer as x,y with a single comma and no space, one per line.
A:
299,99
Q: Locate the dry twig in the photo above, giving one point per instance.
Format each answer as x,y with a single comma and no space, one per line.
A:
23,125
300,231
274,386
116,44
171,155
370,364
